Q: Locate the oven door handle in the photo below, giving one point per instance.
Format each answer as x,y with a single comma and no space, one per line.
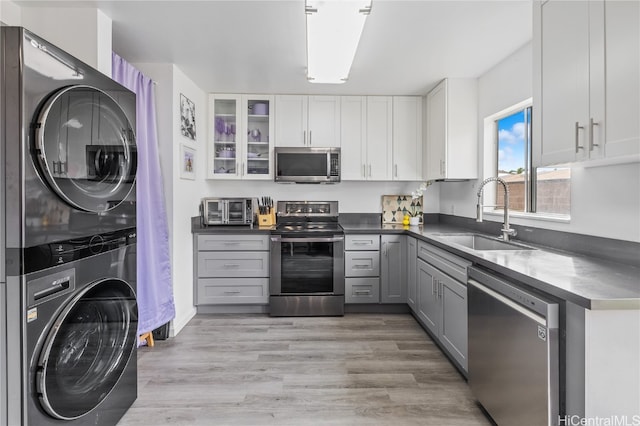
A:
278,239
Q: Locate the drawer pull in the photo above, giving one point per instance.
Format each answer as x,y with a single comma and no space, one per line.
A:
362,243
232,292
360,292
360,267
231,243
231,265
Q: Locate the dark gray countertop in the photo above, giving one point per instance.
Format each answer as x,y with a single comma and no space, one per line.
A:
586,281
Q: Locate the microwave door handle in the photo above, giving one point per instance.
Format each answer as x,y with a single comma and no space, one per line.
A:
328,165
225,212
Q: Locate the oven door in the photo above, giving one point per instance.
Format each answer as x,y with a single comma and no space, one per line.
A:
307,265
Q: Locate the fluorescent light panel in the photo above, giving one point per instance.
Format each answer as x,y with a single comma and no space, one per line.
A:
334,28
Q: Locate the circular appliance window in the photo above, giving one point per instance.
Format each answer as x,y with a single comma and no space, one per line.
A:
86,148
88,349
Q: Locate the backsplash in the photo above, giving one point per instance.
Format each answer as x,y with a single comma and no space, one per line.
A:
395,207
353,197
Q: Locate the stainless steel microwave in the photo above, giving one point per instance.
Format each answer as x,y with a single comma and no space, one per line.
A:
307,165
228,211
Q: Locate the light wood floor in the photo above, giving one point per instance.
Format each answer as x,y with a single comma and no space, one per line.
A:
359,369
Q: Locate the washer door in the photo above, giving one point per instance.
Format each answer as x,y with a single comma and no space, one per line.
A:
87,349
86,148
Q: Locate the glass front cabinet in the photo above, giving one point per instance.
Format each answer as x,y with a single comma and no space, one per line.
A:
240,145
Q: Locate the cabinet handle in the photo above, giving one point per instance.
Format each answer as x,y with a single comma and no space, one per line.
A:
231,292
369,170
361,243
395,170
304,137
591,124
243,171
231,265
433,287
364,170
360,292
384,249
309,137
439,289
360,267
231,243
578,127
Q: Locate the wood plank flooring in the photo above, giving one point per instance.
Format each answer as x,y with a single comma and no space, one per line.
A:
359,369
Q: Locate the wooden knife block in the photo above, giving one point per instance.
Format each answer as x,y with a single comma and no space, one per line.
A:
267,219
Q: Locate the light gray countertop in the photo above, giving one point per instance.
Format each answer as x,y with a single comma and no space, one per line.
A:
586,281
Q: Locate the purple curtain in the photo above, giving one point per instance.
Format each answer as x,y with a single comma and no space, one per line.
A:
155,290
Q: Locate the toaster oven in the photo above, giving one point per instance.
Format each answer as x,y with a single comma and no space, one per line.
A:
228,211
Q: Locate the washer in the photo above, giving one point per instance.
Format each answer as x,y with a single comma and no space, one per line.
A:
68,159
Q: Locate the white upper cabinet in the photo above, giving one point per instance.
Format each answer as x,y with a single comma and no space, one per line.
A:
240,143
407,138
451,137
311,121
586,81
379,138
366,131
353,134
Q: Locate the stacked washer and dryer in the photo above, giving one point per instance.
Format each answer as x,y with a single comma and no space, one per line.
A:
68,312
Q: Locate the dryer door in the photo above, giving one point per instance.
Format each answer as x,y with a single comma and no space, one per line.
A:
87,349
85,148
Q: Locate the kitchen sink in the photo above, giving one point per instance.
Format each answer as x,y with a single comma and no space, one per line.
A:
481,243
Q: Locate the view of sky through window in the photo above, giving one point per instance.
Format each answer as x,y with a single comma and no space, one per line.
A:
512,144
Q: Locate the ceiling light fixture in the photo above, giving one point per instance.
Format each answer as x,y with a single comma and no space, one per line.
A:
334,28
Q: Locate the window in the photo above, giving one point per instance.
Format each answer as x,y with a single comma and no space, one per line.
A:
532,190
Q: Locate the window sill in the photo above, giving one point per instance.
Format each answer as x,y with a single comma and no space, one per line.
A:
533,216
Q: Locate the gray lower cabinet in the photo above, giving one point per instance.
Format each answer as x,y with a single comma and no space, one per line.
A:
442,299
393,269
412,269
362,290
232,269
362,268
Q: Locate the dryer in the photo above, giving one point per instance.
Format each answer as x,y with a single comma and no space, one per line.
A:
68,160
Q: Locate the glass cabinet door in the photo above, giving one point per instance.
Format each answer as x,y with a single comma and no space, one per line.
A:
241,145
259,126
226,138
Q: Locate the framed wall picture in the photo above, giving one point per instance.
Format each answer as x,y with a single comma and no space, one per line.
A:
187,117
187,162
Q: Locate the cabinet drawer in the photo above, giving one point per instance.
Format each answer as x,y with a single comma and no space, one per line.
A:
362,263
448,263
213,264
362,290
362,242
233,242
232,291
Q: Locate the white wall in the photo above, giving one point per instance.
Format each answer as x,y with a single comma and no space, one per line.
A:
605,201
353,197
10,13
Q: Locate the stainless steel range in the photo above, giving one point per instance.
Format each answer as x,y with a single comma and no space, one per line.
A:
307,260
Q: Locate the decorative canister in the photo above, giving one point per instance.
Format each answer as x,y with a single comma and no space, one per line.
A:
260,108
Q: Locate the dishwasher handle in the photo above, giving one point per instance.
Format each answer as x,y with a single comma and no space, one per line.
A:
506,301
535,302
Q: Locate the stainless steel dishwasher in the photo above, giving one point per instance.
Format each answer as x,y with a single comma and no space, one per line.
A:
513,351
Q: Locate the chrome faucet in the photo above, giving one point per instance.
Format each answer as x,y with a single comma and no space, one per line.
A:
506,231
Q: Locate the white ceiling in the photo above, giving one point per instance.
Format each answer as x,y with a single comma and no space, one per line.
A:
259,46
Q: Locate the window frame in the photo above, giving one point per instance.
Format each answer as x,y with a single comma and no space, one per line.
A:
489,163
